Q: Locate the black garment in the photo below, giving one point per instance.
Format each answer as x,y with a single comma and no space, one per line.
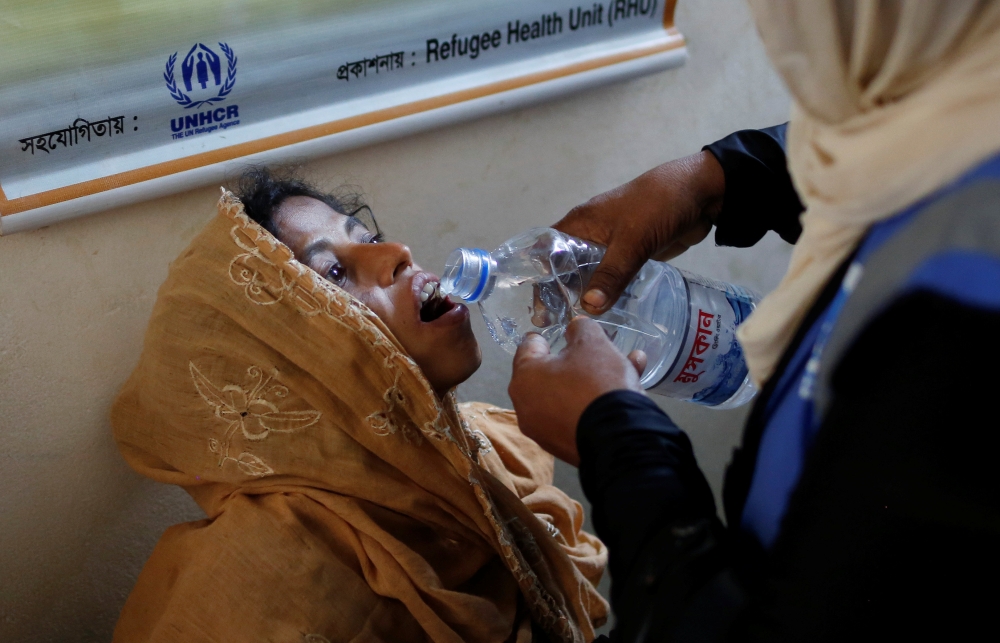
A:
759,191
893,530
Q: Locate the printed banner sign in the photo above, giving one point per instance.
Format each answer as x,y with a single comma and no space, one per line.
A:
108,102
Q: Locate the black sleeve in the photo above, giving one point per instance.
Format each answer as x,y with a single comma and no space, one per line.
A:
759,192
651,504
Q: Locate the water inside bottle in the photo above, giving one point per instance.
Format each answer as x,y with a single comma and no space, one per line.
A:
508,317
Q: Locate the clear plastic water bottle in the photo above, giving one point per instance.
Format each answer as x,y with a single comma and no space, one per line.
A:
686,324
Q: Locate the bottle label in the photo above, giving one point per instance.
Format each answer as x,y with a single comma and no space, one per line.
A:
710,367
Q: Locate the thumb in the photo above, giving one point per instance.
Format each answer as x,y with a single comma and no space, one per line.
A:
533,346
616,270
638,359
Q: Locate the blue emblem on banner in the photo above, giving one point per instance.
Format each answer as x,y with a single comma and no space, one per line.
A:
201,72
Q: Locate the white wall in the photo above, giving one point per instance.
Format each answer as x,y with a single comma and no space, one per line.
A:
76,524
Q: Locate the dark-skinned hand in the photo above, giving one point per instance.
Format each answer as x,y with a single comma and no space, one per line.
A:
551,392
657,215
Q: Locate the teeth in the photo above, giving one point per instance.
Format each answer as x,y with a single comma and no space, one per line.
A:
429,291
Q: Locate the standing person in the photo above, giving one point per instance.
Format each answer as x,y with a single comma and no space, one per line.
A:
862,502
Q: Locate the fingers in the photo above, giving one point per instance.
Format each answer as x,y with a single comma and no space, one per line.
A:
639,360
665,211
616,270
532,347
584,329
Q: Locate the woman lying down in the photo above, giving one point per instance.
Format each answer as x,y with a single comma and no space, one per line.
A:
298,380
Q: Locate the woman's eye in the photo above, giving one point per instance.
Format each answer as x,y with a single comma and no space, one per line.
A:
336,273
375,238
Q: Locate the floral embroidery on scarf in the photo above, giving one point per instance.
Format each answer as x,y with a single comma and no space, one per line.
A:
468,414
249,410
485,446
383,422
263,285
438,429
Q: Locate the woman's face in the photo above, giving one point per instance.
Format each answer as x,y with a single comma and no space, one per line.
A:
435,332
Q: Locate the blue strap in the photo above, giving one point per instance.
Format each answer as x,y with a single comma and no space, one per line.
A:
971,278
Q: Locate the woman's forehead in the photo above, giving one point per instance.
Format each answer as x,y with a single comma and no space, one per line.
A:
299,219
307,211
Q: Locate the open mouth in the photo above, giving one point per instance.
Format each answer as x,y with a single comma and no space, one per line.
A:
432,303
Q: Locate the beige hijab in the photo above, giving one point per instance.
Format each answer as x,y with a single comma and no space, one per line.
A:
892,101
345,501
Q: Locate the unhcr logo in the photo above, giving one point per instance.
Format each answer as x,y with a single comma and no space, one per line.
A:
205,78
201,72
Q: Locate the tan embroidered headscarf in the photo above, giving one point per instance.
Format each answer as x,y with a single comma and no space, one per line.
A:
892,101
345,502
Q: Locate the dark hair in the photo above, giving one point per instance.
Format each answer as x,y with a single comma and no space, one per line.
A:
262,191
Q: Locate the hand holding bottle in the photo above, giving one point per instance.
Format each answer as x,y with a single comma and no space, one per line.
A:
657,215
551,392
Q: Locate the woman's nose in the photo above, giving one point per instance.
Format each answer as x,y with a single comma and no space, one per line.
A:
389,260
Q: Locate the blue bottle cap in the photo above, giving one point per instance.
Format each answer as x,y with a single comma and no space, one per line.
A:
467,273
